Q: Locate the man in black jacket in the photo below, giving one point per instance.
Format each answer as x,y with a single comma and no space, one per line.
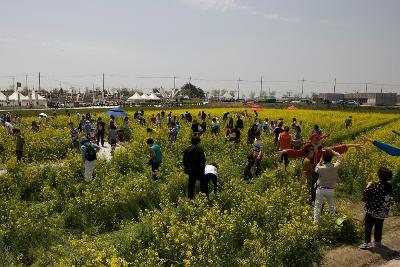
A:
194,162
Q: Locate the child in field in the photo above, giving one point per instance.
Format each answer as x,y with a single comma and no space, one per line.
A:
377,198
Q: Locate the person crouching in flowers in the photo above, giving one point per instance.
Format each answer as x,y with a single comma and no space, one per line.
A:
89,151
377,197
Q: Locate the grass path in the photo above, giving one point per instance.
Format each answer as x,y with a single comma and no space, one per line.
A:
351,255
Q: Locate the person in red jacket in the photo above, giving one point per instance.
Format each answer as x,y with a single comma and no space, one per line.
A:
284,142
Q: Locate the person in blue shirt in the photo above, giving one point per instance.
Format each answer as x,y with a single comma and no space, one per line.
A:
155,156
391,150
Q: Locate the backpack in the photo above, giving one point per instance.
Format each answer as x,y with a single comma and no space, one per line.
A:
187,168
90,153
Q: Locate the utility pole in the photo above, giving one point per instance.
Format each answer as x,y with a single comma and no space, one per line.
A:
334,87
26,81
13,78
238,86
39,81
103,81
174,81
302,87
366,88
102,92
261,86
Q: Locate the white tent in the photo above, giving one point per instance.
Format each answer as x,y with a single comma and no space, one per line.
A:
38,100
3,99
226,96
23,100
135,97
145,97
152,96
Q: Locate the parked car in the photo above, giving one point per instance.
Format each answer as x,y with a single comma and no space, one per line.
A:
353,103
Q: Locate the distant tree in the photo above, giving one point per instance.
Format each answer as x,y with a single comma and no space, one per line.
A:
215,92
264,94
223,91
287,94
232,93
192,91
272,93
314,96
125,92
252,95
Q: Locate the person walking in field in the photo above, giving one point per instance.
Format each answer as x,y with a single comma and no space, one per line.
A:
155,158
348,121
89,151
173,132
215,126
284,142
308,174
277,131
194,162
112,137
254,159
377,197
326,183
74,138
101,127
19,144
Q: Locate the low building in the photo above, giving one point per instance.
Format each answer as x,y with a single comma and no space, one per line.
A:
382,99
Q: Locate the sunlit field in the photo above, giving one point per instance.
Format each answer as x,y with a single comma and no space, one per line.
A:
50,216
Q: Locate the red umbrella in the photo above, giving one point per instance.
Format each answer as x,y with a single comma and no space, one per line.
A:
292,107
256,107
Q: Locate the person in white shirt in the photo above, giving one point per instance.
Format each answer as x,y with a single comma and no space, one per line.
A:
327,180
211,173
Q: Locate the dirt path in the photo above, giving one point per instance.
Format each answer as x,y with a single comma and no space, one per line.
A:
351,255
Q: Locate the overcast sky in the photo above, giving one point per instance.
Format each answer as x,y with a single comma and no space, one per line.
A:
76,41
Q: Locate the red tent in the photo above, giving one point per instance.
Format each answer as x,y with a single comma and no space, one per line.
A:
292,107
256,107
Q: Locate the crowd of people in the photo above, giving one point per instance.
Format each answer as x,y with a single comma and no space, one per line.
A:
319,175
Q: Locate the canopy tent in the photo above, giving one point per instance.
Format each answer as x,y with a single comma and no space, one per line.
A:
37,100
292,107
14,97
152,96
3,99
226,96
144,97
18,99
116,112
135,97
